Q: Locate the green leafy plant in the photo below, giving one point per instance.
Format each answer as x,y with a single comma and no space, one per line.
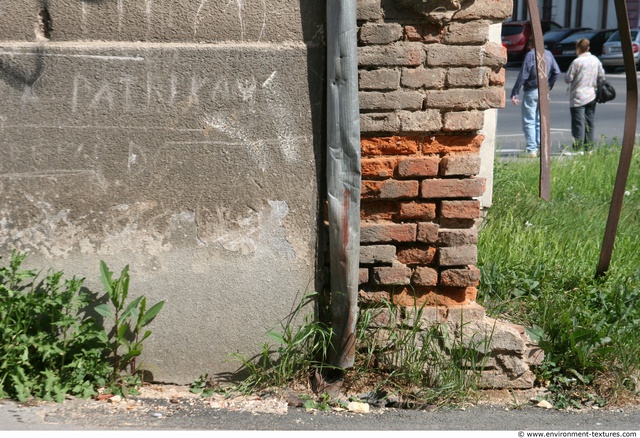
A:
49,347
204,385
127,336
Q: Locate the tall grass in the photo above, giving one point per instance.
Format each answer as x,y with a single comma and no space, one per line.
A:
538,262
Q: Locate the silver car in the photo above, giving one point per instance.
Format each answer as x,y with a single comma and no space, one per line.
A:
611,57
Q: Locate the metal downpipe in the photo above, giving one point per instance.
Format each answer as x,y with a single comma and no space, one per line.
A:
343,176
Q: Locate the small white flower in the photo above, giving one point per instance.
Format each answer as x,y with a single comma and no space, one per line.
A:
528,224
627,193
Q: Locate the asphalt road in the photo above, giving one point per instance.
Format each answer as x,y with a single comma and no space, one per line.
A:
609,116
198,415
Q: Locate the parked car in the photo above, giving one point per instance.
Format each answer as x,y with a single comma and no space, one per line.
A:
553,37
565,50
611,57
515,35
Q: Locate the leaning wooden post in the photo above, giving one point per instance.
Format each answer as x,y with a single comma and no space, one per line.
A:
343,176
543,102
628,139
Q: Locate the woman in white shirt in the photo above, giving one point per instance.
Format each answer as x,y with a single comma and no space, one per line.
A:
583,75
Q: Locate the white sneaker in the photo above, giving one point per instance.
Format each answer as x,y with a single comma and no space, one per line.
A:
532,154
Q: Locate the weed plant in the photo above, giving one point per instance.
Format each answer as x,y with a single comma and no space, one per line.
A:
128,322
404,361
299,346
51,347
415,362
538,262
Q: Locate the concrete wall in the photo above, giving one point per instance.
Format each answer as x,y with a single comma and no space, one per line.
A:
182,137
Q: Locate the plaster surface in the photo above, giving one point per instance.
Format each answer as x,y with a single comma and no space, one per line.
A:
194,163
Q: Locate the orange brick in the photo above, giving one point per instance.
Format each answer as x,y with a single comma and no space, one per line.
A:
432,296
416,255
424,276
452,143
460,277
460,209
389,189
375,209
378,167
387,232
397,145
437,188
418,167
422,211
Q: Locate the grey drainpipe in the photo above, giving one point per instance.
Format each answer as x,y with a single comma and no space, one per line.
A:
343,176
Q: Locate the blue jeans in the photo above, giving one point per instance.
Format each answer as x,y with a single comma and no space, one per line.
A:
582,120
531,120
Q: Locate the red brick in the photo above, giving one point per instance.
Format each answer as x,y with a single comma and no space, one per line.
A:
424,276
427,33
452,143
377,254
452,188
497,78
396,145
432,296
389,275
457,237
366,297
460,164
460,209
381,167
418,167
458,255
374,209
389,189
463,121
363,276
495,54
465,99
466,277
423,211
387,232
417,255
456,223
494,10
427,232
403,54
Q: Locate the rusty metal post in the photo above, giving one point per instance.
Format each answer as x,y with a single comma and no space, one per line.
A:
628,139
343,176
543,102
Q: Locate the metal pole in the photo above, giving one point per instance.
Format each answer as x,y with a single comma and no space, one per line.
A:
343,176
543,102
628,139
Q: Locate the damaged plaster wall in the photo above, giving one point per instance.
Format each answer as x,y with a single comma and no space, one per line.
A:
179,137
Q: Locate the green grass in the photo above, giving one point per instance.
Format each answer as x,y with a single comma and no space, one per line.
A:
538,261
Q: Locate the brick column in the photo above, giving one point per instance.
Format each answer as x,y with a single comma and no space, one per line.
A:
424,85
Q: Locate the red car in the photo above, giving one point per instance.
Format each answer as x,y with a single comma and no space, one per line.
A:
515,35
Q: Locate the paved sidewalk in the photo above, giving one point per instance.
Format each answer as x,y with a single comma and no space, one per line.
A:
176,408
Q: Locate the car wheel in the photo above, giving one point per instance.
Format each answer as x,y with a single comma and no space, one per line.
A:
609,68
